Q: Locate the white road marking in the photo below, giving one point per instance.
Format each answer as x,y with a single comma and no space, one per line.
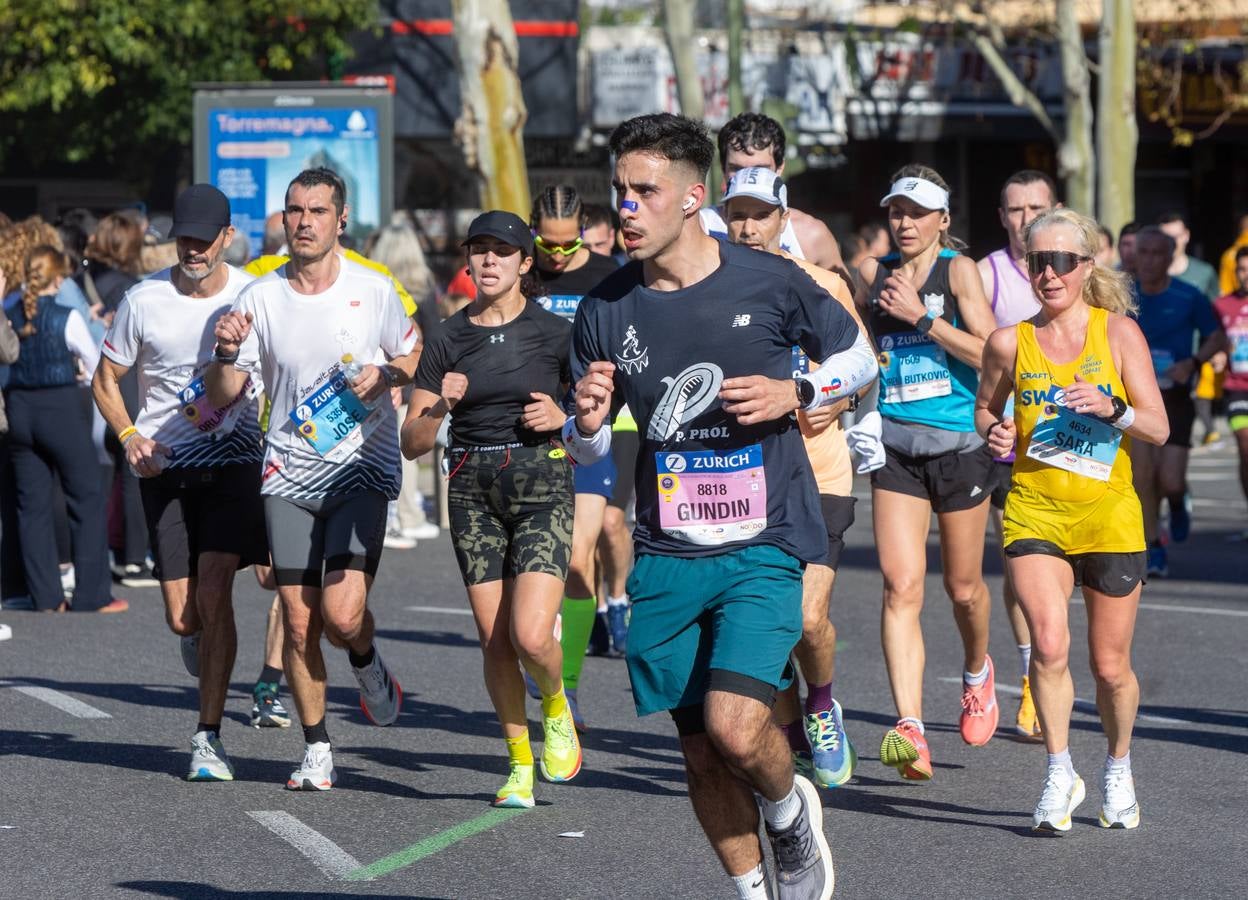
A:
1087,706
63,702
448,610
324,853
1199,610
1227,476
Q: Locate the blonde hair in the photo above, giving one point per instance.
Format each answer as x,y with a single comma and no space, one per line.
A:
927,173
1103,287
43,266
16,242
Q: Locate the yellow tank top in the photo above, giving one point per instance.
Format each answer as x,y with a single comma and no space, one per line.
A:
1072,474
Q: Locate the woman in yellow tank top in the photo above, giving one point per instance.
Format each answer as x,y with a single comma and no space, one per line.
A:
1084,388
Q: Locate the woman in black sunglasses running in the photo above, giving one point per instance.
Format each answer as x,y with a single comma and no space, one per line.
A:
926,309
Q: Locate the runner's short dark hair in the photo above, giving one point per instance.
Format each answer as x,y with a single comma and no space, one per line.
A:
1128,229
1240,254
675,138
596,214
310,178
1030,176
752,131
1169,218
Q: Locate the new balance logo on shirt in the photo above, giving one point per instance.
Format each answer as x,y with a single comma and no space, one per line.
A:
740,321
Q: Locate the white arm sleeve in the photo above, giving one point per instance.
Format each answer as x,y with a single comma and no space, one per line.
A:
78,339
844,373
586,450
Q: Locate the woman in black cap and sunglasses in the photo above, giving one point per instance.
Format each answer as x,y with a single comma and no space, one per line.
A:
496,369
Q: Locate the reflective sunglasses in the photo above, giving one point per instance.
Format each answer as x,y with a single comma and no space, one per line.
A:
1062,262
567,248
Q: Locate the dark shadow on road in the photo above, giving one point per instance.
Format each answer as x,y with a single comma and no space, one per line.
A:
896,805
185,890
427,636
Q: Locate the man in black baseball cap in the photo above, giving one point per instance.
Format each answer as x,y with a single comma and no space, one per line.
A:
507,227
201,226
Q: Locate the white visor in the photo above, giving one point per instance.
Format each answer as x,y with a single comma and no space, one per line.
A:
925,193
759,183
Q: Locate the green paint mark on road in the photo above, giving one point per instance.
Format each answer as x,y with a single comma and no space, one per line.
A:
433,844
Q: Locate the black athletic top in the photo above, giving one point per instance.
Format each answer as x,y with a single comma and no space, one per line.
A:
563,290
504,363
706,484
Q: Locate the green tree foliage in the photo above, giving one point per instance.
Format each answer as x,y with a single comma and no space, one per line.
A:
111,79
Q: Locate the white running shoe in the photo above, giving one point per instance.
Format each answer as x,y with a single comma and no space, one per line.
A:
208,759
316,772
190,653
1119,808
1058,800
5,632
425,531
396,540
380,694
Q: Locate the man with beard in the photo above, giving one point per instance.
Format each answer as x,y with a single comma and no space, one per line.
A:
199,462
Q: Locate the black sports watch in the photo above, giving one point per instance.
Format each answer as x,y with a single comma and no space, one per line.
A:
924,325
1120,407
805,392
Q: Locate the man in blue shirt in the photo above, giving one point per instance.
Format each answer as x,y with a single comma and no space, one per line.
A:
696,336
1172,314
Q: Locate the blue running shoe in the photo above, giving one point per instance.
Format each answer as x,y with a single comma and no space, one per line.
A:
1181,519
617,622
833,755
1157,561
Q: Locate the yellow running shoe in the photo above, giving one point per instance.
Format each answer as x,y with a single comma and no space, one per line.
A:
517,792
561,748
1027,723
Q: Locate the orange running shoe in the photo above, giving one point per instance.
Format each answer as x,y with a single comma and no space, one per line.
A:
905,749
979,710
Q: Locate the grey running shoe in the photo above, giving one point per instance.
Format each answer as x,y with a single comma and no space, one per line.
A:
208,759
266,707
380,694
803,860
190,653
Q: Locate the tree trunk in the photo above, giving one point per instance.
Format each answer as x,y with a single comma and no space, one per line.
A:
736,23
490,130
1117,133
678,28
1076,160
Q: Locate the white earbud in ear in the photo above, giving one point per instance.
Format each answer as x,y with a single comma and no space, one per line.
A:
688,205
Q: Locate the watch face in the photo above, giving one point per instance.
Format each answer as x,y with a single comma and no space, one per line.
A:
806,391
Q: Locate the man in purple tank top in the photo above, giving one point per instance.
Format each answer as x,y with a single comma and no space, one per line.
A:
1024,196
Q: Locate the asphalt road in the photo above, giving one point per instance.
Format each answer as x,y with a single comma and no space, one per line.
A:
96,715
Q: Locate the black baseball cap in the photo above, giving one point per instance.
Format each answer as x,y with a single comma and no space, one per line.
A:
507,227
200,212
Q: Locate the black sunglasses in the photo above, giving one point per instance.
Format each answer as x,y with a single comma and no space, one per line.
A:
1062,262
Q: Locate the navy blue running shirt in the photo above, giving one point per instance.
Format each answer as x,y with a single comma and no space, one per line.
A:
706,484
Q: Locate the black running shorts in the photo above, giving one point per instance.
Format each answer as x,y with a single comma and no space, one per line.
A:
510,511
951,482
1181,411
194,511
1114,574
1002,476
625,445
838,515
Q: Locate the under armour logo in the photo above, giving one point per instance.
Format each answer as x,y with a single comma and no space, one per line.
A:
497,338
740,321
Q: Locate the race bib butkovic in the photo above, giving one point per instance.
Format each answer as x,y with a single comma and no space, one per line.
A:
1075,443
333,420
913,367
712,497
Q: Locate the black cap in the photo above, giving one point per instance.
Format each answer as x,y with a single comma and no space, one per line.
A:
507,227
200,212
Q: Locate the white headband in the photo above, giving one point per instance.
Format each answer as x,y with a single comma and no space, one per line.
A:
925,193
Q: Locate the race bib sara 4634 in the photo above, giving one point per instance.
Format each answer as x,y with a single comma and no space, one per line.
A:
1075,443
711,497
333,420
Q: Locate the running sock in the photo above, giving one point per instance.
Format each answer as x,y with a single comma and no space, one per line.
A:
818,697
519,750
795,733
316,734
622,601
753,884
270,675
554,705
1118,765
215,728
364,660
975,679
578,621
1024,658
780,814
917,723
1063,759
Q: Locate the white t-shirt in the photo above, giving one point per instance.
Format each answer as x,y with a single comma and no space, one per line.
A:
169,336
323,442
713,224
